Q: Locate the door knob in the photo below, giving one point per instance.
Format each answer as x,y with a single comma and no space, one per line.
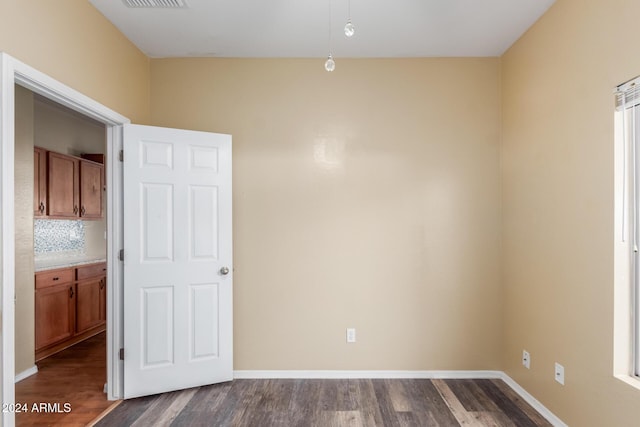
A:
224,271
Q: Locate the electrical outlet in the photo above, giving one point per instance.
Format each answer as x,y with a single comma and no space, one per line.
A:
559,373
526,359
351,335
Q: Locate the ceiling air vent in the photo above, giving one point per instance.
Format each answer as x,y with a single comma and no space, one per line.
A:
156,4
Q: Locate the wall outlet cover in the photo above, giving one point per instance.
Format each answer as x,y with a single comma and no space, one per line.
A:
351,335
559,373
526,359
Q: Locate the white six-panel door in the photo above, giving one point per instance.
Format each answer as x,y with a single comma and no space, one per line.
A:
178,259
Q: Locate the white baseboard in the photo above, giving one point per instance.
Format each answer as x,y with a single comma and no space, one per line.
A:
26,373
366,374
550,416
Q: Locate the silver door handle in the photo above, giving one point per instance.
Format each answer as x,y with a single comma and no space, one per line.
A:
224,271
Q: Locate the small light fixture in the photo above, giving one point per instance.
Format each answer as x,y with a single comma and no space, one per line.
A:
349,29
330,64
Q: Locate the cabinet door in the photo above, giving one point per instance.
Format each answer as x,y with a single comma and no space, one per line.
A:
39,182
55,309
90,189
103,300
63,186
88,310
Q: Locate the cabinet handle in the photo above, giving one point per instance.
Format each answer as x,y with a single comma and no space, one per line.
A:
56,278
71,292
82,211
102,284
75,209
41,208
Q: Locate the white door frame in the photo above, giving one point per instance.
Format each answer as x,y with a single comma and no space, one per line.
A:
12,72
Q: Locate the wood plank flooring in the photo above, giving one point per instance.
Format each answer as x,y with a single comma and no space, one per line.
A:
75,376
353,402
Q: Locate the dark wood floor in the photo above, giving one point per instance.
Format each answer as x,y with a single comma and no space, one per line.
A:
357,402
75,376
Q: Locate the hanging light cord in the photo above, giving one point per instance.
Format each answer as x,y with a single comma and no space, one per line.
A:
330,32
330,64
349,29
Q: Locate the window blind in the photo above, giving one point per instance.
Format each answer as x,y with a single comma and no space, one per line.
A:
628,108
628,94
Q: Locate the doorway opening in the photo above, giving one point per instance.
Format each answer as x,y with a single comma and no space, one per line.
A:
60,274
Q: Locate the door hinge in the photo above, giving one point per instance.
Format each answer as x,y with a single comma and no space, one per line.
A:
121,255
122,354
121,155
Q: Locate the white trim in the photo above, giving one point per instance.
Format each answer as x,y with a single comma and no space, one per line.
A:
7,234
14,72
366,374
546,413
26,373
535,403
630,380
60,93
115,277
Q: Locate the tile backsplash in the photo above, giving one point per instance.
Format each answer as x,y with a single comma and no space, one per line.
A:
58,236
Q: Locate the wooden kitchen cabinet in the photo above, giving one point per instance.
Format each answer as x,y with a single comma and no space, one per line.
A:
91,189
39,182
103,301
67,187
55,311
88,304
63,185
91,303
97,158
70,307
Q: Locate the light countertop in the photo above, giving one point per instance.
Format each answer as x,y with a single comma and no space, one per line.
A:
52,263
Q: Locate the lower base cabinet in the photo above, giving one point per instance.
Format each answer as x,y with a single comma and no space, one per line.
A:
89,312
55,308
70,306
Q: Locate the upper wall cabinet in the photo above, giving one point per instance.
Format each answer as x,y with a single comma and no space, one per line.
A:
63,186
73,187
40,182
90,189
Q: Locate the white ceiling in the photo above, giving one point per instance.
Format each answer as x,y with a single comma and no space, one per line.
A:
300,28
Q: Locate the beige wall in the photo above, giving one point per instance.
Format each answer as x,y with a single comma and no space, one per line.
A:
365,198
24,281
73,43
64,131
557,195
